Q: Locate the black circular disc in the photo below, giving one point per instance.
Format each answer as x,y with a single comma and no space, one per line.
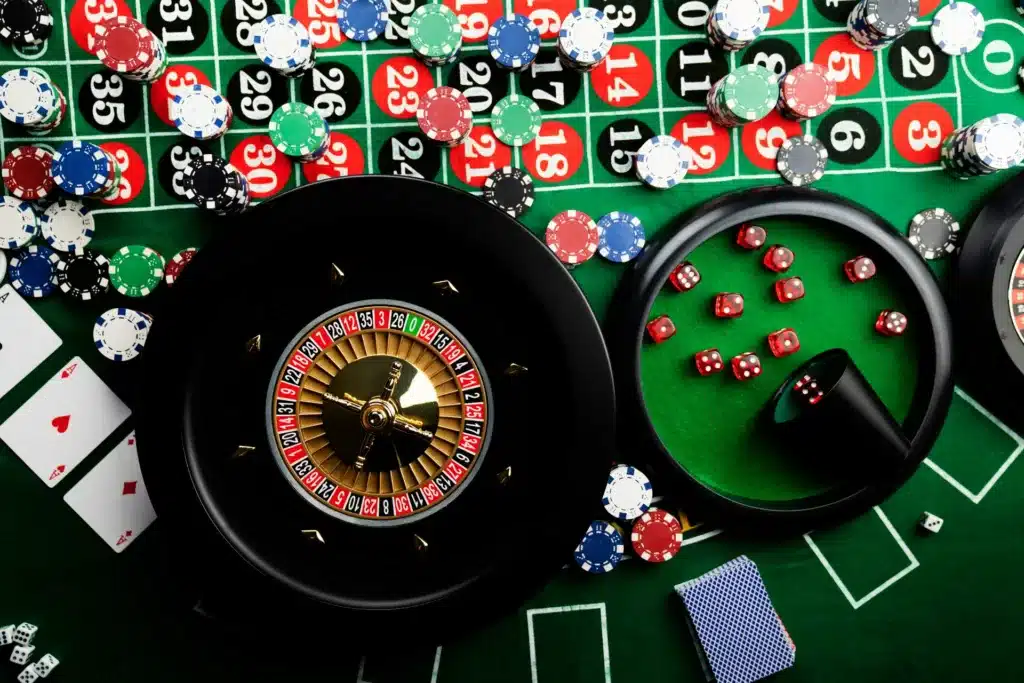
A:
631,308
249,539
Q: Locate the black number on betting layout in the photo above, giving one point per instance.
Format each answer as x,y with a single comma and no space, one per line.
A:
915,63
333,89
182,25
627,17
110,103
238,18
690,15
548,83
473,80
256,92
172,168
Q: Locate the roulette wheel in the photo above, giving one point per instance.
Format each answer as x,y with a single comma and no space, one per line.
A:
375,396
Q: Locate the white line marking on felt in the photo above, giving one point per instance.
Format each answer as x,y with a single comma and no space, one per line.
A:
963,61
858,603
561,610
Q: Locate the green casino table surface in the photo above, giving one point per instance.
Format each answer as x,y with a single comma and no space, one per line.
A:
871,598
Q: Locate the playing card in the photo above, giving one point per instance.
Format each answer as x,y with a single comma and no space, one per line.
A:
25,340
112,498
63,422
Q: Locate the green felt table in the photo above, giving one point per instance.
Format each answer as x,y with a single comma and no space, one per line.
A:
869,599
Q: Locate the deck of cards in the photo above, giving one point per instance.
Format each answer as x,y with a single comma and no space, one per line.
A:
739,635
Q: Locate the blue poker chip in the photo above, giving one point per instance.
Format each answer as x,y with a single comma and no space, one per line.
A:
80,168
622,237
601,548
362,20
33,271
513,41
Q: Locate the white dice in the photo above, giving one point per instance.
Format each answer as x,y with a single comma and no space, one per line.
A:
21,653
46,664
28,675
25,632
930,523
6,634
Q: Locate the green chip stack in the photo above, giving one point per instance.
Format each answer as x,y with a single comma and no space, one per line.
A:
135,270
435,34
298,131
516,120
747,94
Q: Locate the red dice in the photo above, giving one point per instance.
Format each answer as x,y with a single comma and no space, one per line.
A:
891,323
751,236
661,328
789,289
729,305
808,389
859,269
778,258
746,366
709,361
684,277
784,342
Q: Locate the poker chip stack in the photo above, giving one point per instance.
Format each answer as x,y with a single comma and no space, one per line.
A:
807,91
958,28
84,276
212,183
516,120
601,548
513,42
585,39
444,115
67,226
435,34
29,98
86,170
200,112
734,24
995,143
662,162
748,94
362,20
25,23
873,24
26,172
125,45
298,131
136,270
282,43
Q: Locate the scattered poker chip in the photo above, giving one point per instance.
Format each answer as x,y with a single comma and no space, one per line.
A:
26,172
135,270
84,276
200,112
510,189
513,41
934,233
3,267
27,97
662,162
622,237
801,160
657,536
601,548
120,334
33,271
628,493
516,120
957,28
585,37
298,130
81,168
125,45
807,91
573,236
362,20
177,264
18,223
444,115
25,22
434,32
212,183
282,43
67,225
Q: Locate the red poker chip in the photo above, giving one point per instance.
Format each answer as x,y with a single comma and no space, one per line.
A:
174,267
573,236
808,90
444,115
26,173
657,536
125,45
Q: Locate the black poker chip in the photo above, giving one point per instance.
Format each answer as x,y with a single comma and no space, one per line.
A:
212,183
802,160
934,233
84,276
25,22
510,189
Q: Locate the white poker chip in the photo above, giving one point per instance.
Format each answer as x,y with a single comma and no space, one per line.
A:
120,334
18,223
663,161
281,42
67,226
998,141
586,36
200,112
957,28
3,267
26,96
742,20
628,493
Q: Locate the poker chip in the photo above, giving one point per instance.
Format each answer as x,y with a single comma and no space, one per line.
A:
585,38
297,130
282,43
25,22
82,168
957,28
510,189
126,46
628,493
212,183
601,548
33,271
734,24
749,93
26,172
434,33
200,112
656,536
662,162
622,237
362,20
1020,74
573,236
3,267
807,91
934,233
801,160
84,276
993,144
513,41
516,120
120,334
27,97
444,115
873,24
67,225
18,223
177,264
135,270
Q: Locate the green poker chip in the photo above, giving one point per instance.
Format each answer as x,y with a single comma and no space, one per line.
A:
750,92
136,270
434,32
516,120
297,130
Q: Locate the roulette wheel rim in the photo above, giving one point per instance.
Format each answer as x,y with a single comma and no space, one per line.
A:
220,555
631,310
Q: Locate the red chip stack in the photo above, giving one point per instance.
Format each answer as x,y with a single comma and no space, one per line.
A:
26,173
126,46
807,91
445,116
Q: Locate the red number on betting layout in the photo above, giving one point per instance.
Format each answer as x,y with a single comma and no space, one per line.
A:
133,172
177,78
86,14
555,154
398,85
476,17
781,11
343,158
761,140
267,170
708,141
479,155
852,67
546,15
624,77
320,17
919,130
